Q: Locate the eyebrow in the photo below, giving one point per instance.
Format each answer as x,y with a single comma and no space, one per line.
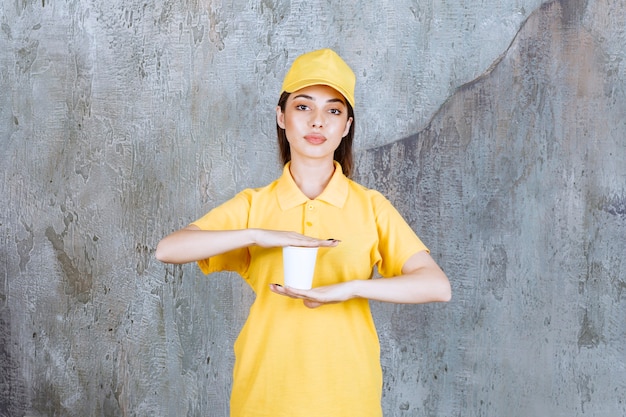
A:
332,100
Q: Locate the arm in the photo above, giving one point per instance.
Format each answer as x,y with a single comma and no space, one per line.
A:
422,281
192,244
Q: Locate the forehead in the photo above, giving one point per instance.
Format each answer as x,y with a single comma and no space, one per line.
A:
318,92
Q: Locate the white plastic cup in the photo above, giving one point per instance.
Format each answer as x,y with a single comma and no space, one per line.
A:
299,265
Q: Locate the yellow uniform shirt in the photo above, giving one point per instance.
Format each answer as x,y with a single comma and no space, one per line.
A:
292,361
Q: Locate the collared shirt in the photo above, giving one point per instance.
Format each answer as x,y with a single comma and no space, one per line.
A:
291,360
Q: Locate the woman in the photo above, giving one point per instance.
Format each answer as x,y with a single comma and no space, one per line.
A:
312,353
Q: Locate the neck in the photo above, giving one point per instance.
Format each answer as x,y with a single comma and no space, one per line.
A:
312,179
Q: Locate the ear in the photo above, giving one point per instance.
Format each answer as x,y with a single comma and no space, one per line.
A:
348,124
280,117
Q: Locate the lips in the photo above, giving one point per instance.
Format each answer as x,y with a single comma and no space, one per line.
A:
315,138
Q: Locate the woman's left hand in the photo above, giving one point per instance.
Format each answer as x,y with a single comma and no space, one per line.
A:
319,296
422,281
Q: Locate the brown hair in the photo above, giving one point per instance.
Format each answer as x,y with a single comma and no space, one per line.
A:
343,153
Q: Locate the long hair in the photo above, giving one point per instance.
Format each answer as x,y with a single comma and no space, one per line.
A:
343,153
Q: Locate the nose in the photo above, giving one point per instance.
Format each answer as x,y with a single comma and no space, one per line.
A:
317,119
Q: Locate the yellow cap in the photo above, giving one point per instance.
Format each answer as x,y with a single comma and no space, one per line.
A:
323,67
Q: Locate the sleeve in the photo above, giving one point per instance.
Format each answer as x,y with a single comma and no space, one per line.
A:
397,241
231,215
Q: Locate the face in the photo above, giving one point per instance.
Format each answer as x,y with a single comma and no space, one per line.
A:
315,120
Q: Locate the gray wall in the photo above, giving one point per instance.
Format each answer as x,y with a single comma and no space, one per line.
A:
497,129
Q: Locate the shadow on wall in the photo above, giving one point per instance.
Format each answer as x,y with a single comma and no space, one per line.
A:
517,187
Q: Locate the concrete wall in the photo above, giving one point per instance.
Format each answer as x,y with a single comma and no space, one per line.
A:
497,128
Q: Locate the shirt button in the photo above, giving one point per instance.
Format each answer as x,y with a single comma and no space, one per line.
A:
311,207
309,224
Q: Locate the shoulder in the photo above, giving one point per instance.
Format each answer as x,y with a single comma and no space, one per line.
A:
244,198
252,194
235,210
374,197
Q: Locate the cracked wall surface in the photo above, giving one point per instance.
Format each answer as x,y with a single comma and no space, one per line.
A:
497,129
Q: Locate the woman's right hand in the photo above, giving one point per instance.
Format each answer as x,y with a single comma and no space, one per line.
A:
192,244
278,238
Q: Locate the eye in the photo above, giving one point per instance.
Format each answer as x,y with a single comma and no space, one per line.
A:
335,111
302,107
